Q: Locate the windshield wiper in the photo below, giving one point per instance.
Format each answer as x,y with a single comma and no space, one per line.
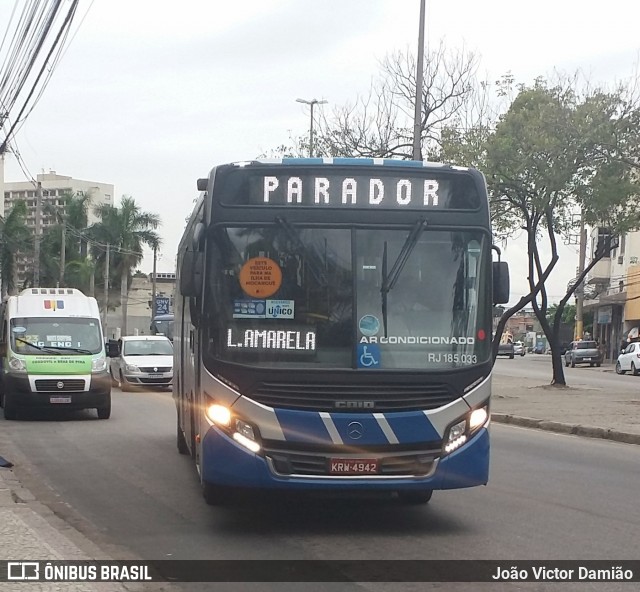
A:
292,234
390,279
77,350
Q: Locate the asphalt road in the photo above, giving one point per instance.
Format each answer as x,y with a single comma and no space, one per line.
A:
123,483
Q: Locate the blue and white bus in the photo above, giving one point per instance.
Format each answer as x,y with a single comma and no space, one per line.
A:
333,322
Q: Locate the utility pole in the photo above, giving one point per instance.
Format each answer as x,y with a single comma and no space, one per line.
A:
36,253
63,252
417,116
153,288
106,291
579,329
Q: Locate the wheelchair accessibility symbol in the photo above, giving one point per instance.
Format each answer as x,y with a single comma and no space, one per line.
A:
368,355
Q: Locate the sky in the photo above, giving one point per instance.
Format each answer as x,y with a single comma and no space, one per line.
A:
152,94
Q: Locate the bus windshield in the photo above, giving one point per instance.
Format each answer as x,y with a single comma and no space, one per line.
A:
63,335
285,296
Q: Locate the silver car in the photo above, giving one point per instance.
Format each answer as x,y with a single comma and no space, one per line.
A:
583,352
144,361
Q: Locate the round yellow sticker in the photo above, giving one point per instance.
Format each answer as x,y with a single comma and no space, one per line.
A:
260,277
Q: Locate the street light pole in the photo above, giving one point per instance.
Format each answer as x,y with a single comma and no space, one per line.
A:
417,116
311,103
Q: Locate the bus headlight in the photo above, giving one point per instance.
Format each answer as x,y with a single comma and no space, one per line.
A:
219,415
241,431
99,364
461,431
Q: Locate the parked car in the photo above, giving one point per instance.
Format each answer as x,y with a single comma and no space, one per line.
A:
629,360
540,348
143,361
583,352
518,348
506,349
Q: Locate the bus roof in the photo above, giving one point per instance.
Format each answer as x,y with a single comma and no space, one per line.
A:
54,302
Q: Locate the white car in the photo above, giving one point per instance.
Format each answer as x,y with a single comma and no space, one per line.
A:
143,361
629,360
518,348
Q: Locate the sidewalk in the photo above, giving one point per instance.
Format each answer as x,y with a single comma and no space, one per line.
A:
577,409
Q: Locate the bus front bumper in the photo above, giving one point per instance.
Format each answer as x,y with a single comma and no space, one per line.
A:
18,390
227,463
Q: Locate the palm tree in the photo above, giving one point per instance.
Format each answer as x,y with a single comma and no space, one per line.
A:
126,229
65,242
15,237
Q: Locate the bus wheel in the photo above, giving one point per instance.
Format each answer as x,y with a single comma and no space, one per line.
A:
215,495
415,497
10,411
182,443
104,412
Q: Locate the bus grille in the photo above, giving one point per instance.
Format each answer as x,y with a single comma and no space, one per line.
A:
317,464
352,398
52,385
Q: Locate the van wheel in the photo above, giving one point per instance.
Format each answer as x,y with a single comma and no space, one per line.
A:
104,412
634,370
413,498
619,369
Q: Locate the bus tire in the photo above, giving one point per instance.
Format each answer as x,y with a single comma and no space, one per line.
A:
104,412
215,495
182,442
413,497
10,410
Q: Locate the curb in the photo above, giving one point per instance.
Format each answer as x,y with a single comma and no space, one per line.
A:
567,428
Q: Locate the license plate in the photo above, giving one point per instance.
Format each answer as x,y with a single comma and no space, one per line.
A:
587,359
59,399
354,466
154,375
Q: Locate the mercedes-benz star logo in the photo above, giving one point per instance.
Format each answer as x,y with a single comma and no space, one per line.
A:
60,384
355,430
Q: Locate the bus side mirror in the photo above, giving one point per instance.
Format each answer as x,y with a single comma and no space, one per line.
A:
501,285
191,274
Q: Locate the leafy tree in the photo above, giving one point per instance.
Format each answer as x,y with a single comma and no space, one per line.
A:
126,229
543,166
15,238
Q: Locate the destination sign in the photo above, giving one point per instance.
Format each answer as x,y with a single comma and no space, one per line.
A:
321,188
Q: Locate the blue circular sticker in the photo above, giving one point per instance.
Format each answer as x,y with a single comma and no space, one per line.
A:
369,325
260,307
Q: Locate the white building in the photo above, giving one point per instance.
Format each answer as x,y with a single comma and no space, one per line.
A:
54,187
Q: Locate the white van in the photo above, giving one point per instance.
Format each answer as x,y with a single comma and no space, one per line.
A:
53,352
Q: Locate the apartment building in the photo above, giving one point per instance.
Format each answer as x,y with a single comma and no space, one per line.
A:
612,291
54,187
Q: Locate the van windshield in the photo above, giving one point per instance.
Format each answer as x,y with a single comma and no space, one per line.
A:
29,335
